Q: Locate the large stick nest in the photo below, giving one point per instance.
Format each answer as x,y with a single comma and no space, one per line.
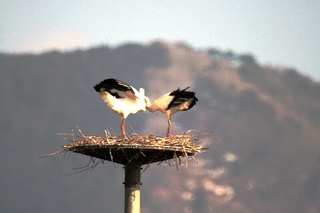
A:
143,149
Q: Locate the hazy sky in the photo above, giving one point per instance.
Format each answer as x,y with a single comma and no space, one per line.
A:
276,32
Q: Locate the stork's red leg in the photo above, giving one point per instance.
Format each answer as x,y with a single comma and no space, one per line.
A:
123,128
169,126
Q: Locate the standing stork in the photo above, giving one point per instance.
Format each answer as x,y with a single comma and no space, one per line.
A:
173,102
122,98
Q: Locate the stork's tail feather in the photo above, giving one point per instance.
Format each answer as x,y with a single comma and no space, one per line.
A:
181,96
178,91
184,89
195,99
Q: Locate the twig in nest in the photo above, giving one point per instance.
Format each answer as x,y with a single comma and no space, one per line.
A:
54,153
133,131
194,159
145,168
81,132
110,153
87,167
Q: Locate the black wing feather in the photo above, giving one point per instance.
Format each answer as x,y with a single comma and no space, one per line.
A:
181,96
113,84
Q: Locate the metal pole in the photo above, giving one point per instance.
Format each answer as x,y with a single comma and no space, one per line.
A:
132,187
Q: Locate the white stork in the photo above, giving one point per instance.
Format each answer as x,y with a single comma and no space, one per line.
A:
122,98
173,102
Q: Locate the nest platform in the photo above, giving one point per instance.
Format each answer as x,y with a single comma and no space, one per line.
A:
142,149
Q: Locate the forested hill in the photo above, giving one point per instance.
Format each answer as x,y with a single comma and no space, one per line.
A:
264,122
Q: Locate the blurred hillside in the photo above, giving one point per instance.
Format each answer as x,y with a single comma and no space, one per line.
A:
264,122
